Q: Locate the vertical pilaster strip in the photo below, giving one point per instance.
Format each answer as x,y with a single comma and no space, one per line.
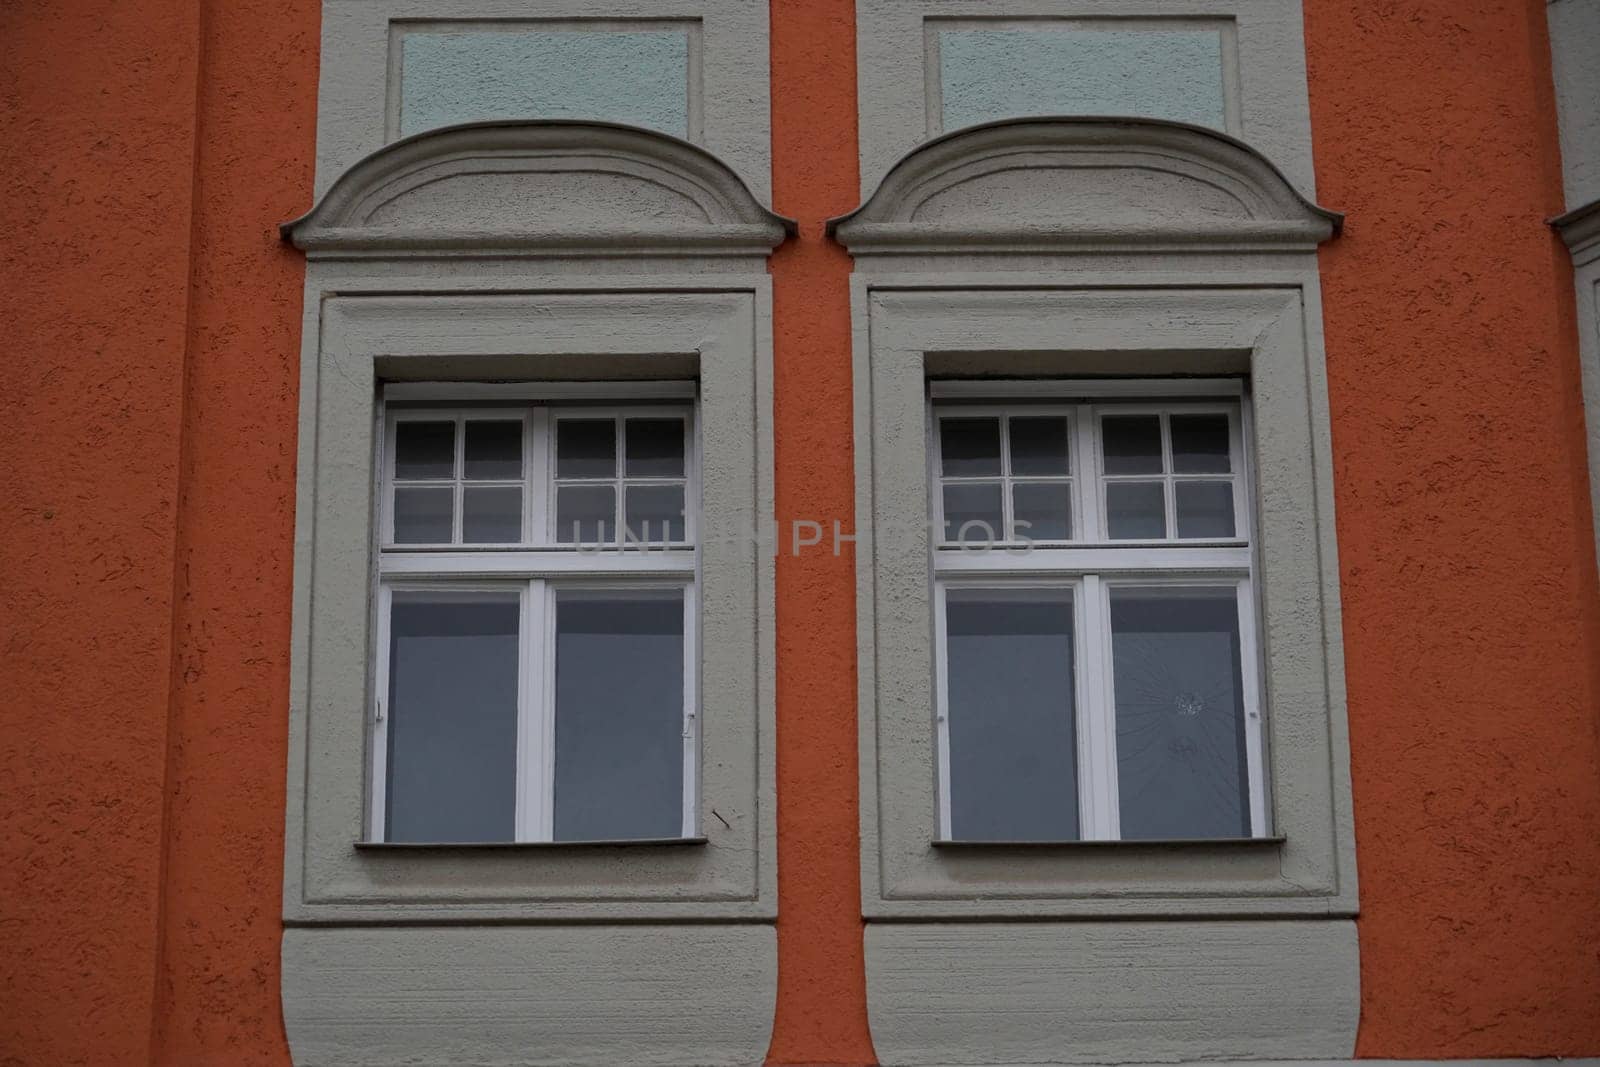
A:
222,890
822,1011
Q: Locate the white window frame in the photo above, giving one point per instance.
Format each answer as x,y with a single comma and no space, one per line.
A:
538,570
1090,565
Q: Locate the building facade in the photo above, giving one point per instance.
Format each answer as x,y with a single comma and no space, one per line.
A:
706,532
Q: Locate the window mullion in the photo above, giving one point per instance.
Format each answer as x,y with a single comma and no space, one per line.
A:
941,687
1169,489
1254,732
539,480
458,496
528,783
691,714
544,593
1100,820
1086,471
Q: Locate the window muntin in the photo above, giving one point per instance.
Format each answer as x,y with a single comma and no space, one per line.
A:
500,715
1020,474
1089,688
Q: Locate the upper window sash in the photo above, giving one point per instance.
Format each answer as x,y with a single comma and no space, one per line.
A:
1000,500
644,509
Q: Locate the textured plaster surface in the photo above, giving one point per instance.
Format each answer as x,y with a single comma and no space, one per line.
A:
519,996
221,917
149,461
637,77
1091,992
1464,530
822,999
1164,74
96,209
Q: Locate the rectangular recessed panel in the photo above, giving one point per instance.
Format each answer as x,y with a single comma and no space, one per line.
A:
1181,766
619,716
988,74
452,717
638,77
1013,749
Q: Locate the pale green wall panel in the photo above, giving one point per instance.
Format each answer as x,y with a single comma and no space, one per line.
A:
636,77
995,74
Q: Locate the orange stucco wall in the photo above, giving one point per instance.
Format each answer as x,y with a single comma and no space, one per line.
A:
98,127
148,455
151,373
1465,546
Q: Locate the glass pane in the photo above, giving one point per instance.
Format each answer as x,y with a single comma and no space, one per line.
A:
491,514
619,730
1135,509
1205,509
1181,769
1013,747
1045,507
1200,444
1039,445
1132,444
586,513
655,448
423,516
969,447
452,773
655,513
424,450
493,450
972,513
586,448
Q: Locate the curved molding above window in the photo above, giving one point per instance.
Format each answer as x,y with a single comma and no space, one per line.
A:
539,188
1068,184
1580,229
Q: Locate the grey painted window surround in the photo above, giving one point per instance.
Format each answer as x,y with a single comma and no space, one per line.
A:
1100,247
484,253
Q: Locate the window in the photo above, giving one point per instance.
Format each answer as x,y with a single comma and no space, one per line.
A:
1094,622
527,551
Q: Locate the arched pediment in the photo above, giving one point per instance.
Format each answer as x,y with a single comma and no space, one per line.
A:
534,188
1060,184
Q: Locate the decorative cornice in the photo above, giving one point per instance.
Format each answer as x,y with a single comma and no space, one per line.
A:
1580,229
1042,185
538,188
